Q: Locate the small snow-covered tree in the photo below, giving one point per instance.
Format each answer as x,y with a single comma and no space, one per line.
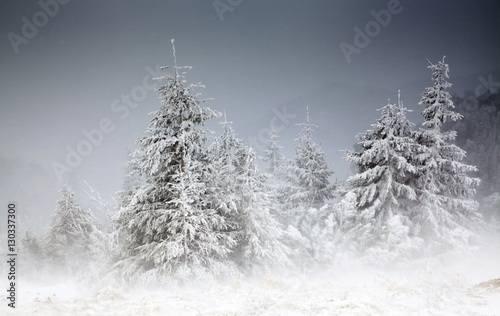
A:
273,155
226,153
31,255
445,192
248,206
68,238
170,226
309,183
383,187
259,245
308,188
100,239
276,176
31,247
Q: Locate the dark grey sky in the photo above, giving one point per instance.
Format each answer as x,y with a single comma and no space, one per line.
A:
260,59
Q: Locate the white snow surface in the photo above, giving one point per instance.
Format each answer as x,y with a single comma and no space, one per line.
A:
424,292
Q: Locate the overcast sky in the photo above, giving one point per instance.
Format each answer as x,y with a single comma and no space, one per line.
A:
67,67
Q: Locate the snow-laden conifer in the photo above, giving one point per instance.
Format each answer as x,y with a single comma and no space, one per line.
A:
31,256
273,155
307,190
170,227
248,206
276,177
259,244
68,242
309,181
384,165
447,208
383,187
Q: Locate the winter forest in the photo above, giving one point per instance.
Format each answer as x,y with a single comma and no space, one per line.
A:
195,209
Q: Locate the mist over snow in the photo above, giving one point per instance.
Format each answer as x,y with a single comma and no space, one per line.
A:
250,158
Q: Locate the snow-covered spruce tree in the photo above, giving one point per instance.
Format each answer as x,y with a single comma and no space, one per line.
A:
31,247
447,209
31,256
276,176
248,206
225,154
102,244
170,228
309,183
273,155
67,242
382,187
307,190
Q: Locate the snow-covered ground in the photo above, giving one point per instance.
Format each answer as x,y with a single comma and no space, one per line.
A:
367,293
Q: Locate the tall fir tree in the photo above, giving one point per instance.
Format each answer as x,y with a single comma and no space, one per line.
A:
383,189
445,192
170,228
385,170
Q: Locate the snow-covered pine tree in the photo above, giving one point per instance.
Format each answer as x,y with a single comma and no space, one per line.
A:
447,208
225,156
384,166
273,155
31,247
306,191
170,228
276,176
259,247
247,205
382,187
309,183
68,238
101,241
31,256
